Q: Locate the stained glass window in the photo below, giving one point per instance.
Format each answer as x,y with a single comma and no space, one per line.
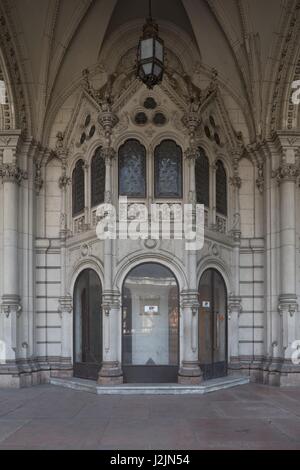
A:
78,188
97,178
168,170
132,169
202,177
221,189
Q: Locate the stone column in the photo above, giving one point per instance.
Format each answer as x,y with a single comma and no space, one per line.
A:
87,198
286,175
111,370
65,307
234,301
189,371
11,176
213,211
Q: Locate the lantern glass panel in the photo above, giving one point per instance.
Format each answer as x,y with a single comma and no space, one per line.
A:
146,48
157,70
159,51
147,68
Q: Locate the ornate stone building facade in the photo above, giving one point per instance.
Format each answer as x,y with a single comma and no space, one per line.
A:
78,129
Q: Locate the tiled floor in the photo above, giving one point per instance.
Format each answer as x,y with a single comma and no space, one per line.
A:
247,417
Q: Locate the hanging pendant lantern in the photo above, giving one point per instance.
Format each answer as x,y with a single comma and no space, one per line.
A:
150,59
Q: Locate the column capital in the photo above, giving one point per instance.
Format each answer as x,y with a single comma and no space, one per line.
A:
286,172
11,173
287,303
190,298
191,154
11,304
108,154
65,305
235,305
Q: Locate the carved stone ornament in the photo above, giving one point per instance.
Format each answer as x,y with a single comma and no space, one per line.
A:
235,305
236,181
38,180
286,172
65,305
9,172
260,182
108,154
10,306
64,181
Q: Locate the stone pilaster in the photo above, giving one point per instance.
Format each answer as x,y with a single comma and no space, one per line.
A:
111,370
234,311
286,175
189,371
11,177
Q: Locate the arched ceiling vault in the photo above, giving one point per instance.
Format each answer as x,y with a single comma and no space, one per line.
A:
243,39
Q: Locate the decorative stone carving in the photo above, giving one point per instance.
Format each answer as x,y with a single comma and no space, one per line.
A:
235,305
236,181
11,304
65,305
108,154
10,172
64,181
38,180
260,181
286,172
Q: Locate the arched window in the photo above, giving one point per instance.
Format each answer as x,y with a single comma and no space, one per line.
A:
78,188
168,170
132,169
202,177
221,189
97,178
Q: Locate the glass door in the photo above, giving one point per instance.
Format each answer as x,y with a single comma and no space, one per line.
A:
213,325
150,324
87,325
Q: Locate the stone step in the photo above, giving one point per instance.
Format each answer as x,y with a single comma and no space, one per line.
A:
151,389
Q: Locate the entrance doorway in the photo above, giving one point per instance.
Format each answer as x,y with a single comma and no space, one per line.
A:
213,325
150,325
87,325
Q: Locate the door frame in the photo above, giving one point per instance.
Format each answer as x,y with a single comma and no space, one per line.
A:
86,370
149,373
226,361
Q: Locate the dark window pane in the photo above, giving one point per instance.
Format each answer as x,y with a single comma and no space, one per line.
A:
132,169
78,188
168,170
141,119
212,121
159,119
97,178
92,132
217,138
207,132
202,178
87,120
83,138
150,103
221,189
